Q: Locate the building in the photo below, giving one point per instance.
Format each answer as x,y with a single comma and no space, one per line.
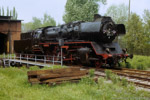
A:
10,30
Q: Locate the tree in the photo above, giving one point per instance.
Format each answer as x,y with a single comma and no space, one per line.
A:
26,27
146,18
136,40
3,12
83,10
36,23
0,11
118,13
15,15
9,12
47,20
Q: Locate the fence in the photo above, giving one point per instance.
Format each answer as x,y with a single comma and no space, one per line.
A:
31,59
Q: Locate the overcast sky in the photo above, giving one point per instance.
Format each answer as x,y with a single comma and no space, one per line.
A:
36,8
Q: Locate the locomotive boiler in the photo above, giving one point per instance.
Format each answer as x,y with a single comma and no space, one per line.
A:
88,43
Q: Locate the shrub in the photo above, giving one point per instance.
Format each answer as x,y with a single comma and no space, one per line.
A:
128,65
115,78
108,73
112,76
124,82
101,82
34,68
138,62
88,80
91,72
141,66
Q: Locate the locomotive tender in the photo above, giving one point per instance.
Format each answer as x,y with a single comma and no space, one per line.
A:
83,42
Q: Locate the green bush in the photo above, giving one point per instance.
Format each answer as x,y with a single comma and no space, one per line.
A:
101,82
138,62
141,66
115,78
34,68
124,82
91,72
88,80
128,65
108,73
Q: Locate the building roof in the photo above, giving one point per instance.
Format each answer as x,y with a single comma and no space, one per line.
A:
8,18
5,17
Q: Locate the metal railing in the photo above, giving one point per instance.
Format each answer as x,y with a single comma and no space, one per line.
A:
31,59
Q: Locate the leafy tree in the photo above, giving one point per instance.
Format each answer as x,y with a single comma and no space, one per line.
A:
118,13
136,39
15,15
146,18
26,26
3,12
9,12
0,11
36,23
47,20
81,10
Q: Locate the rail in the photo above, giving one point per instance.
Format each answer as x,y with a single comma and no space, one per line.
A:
31,59
138,77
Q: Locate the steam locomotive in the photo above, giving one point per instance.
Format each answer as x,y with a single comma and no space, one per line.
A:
87,43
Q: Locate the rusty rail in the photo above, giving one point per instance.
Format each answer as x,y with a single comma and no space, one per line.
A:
138,77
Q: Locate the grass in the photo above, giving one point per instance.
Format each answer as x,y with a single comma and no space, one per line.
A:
7,55
14,86
138,62
115,78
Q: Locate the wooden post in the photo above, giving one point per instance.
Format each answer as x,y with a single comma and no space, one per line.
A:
10,42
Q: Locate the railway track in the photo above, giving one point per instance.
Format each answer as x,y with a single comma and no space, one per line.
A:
138,77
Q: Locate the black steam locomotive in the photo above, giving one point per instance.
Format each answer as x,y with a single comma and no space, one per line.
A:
82,42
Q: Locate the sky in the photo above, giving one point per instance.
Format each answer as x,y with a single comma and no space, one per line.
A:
27,9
